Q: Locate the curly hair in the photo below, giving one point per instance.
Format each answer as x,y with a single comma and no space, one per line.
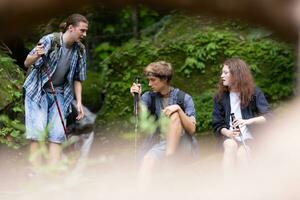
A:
241,80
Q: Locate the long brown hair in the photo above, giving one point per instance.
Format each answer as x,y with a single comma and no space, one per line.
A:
74,20
241,80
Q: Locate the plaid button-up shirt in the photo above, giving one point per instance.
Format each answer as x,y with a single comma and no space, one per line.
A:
37,78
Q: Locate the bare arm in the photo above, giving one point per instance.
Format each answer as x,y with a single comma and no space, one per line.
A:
187,122
32,58
254,120
230,133
242,122
78,91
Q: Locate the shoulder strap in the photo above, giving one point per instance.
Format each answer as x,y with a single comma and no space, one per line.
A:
56,41
81,49
180,99
56,44
152,105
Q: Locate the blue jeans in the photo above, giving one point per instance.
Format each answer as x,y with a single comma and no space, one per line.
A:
42,120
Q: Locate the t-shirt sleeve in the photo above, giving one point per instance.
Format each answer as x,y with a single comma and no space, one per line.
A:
189,107
80,72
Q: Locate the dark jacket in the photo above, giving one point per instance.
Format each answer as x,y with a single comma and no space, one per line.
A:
258,106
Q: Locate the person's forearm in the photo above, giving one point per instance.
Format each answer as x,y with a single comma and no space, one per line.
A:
187,122
225,132
31,59
78,90
257,120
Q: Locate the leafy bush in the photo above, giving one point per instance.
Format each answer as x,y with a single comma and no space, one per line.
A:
204,108
196,54
11,103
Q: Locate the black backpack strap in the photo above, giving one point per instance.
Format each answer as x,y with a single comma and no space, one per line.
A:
180,99
152,107
180,102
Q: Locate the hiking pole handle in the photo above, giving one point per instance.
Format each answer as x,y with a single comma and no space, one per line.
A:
136,96
136,81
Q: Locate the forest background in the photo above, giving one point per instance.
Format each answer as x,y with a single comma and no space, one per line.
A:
122,42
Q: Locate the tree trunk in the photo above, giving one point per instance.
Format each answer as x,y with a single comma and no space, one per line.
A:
135,21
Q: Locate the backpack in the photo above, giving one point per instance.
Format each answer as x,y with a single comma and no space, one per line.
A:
55,44
188,144
83,126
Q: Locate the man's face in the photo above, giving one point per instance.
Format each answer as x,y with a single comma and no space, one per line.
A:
156,84
79,31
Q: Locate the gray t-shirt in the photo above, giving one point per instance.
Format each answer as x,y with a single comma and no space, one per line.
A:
63,66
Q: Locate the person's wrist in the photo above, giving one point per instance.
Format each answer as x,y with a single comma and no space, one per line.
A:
37,55
178,108
225,132
228,133
249,121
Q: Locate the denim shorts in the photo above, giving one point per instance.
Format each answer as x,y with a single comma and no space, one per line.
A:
42,120
158,151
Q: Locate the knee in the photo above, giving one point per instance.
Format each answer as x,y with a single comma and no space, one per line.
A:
175,118
148,162
241,153
230,145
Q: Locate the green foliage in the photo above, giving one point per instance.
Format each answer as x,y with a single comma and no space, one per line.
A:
92,92
11,132
207,48
103,50
196,48
11,103
204,108
148,124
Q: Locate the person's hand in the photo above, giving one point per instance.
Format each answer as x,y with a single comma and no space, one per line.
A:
233,133
241,122
39,50
136,88
80,111
169,110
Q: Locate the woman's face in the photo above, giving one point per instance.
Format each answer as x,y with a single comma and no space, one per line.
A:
226,76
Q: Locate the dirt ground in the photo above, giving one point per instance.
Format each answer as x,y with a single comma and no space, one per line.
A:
110,171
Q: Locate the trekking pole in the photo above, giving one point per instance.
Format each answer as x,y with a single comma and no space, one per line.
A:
135,110
240,135
54,94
